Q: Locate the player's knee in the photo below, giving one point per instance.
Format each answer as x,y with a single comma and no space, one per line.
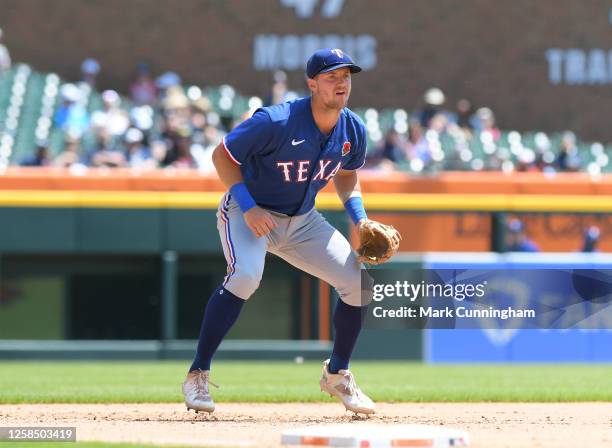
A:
352,295
247,279
249,285
352,292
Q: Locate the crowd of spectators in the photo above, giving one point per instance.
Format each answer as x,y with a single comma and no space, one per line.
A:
159,123
473,141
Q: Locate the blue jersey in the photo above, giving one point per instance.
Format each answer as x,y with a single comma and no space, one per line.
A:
285,159
524,246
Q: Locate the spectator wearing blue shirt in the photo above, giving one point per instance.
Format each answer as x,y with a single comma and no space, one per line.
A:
591,239
71,116
518,241
39,158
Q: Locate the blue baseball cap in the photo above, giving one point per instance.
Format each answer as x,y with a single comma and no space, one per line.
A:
329,59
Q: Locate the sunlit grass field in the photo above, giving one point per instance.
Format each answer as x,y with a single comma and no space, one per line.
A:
153,382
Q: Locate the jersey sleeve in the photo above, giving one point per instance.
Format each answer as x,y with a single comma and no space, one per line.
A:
358,156
249,138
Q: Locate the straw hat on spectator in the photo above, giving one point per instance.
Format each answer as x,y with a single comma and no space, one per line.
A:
176,99
202,104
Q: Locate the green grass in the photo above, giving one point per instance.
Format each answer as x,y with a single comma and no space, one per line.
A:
151,382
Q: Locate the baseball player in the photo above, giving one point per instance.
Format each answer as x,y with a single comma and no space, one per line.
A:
273,165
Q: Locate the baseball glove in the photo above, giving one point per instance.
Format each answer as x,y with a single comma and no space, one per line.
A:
378,242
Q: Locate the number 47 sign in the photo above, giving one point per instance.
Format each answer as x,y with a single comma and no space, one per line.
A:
305,9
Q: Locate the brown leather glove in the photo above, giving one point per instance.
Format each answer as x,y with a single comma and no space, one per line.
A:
378,242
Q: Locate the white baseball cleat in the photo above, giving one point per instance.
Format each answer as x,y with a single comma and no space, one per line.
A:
195,390
343,386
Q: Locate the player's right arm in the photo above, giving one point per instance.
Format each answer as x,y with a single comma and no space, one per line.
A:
259,220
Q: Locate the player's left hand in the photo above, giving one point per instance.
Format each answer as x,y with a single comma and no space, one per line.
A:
260,221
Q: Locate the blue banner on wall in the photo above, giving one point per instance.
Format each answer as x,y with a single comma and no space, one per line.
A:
518,345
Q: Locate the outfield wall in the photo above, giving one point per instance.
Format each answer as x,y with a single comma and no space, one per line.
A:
96,323
119,255
462,227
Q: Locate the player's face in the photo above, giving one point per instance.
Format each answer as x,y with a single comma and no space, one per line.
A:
332,88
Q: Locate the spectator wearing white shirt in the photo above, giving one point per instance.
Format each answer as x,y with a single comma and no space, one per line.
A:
111,119
5,57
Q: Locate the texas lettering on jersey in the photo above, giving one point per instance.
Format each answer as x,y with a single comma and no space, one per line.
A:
286,160
300,169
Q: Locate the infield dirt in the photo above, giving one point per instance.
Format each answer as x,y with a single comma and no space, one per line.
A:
490,425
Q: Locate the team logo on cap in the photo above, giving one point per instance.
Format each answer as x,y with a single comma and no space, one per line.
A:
346,148
338,52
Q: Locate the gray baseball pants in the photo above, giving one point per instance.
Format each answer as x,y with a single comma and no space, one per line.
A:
308,242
